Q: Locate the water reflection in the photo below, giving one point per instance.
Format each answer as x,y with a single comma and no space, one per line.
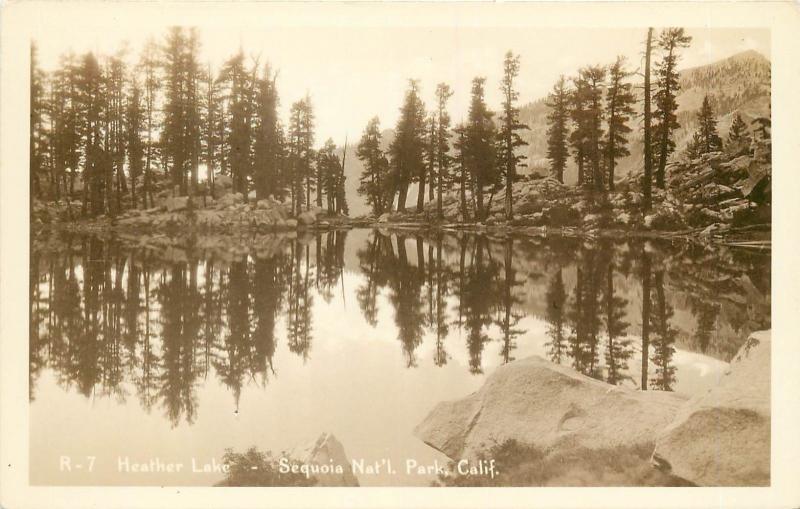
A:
117,320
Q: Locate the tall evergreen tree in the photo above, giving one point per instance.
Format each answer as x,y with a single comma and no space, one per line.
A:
266,148
557,129
134,116
594,77
670,41
373,183
238,125
710,140
738,130
407,148
579,137
443,158
508,136
480,153
647,177
37,138
301,141
148,66
619,108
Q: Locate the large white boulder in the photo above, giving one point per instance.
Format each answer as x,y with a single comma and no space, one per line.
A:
722,438
546,405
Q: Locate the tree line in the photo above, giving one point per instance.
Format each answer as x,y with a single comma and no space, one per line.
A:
114,134
589,119
481,158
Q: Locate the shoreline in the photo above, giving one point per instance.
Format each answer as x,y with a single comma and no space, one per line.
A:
743,237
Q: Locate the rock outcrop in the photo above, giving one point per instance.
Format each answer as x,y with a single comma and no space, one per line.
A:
327,451
722,438
549,406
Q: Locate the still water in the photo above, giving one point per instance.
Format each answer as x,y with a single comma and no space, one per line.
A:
176,350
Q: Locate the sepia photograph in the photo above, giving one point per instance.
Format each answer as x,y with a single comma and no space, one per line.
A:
406,255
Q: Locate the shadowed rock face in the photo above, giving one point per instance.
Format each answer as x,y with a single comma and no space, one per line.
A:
722,438
539,403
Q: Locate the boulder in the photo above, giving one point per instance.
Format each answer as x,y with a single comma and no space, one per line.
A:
327,451
306,218
722,438
230,200
291,223
549,406
176,203
384,218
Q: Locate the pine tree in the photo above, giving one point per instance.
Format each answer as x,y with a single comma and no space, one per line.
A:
172,136
670,42
647,177
37,139
694,148
557,129
238,125
94,157
191,105
710,140
134,116
301,140
148,65
443,158
480,151
407,148
738,130
508,137
266,149
619,109
211,118
461,170
594,77
579,137
373,181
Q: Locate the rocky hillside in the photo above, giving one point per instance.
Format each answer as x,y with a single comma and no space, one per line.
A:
738,84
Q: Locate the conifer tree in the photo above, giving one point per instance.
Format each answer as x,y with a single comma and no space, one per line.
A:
373,181
579,137
711,142
407,148
266,146
480,150
738,137
619,108
508,137
647,177
443,158
238,134
594,77
134,116
211,117
694,148
148,66
557,128
37,139
670,41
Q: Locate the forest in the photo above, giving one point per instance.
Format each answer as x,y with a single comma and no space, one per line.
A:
110,136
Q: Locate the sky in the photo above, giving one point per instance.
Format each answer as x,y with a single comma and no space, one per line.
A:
353,74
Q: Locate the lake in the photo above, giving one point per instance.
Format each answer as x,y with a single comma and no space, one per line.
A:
174,350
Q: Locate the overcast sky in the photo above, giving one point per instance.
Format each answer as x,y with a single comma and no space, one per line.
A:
353,73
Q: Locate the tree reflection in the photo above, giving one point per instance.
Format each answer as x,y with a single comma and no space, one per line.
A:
114,321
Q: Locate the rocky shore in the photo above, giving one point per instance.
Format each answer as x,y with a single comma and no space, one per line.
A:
721,438
719,197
